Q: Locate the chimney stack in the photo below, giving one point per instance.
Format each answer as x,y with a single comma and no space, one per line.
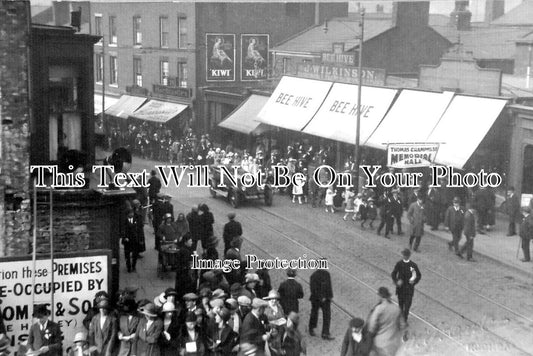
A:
493,10
461,17
410,13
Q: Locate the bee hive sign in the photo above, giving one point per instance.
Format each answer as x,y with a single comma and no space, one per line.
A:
76,281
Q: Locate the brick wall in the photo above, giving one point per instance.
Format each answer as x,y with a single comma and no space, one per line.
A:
14,175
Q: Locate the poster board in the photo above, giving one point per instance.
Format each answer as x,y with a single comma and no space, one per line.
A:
411,155
77,278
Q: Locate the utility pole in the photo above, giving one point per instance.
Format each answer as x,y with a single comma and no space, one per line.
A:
357,150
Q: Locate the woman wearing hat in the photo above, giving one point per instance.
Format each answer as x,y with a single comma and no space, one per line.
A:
293,343
181,226
169,339
80,346
103,329
148,332
223,338
127,327
274,311
356,341
192,342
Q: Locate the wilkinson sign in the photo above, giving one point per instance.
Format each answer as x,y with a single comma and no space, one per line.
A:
341,74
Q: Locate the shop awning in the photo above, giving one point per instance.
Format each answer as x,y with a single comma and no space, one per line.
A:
244,117
125,106
109,101
412,117
158,111
294,102
337,118
462,127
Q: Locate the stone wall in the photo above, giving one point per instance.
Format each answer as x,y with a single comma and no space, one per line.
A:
15,145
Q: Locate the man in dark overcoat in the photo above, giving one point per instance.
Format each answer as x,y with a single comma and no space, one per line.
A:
453,221
512,205
385,213
432,205
194,226
133,228
231,229
416,216
321,296
405,276
397,210
290,291
162,206
469,231
526,233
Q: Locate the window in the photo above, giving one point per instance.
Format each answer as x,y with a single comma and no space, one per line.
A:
182,32
137,72
98,25
164,71
137,34
286,64
112,30
163,32
113,70
183,74
99,62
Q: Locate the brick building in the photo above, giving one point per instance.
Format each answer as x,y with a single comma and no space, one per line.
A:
160,49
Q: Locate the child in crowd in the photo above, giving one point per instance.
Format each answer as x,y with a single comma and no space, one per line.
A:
357,203
368,211
330,194
349,207
297,189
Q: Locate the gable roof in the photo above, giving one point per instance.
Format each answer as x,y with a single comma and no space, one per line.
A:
521,15
340,30
486,42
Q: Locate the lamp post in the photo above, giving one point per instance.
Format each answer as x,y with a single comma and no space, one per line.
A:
357,149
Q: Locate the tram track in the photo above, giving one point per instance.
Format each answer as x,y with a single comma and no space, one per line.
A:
517,349
426,268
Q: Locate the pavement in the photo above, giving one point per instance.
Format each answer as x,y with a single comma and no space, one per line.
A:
494,244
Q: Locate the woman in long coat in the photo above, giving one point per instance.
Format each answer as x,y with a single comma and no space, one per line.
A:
169,339
206,224
127,327
386,324
148,332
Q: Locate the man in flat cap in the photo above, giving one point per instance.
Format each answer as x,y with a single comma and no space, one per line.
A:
232,229
405,276
45,335
356,341
253,329
454,222
526,233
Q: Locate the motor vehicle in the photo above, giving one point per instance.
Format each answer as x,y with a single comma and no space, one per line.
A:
237,194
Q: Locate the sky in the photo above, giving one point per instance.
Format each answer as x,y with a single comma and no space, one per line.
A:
477,7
